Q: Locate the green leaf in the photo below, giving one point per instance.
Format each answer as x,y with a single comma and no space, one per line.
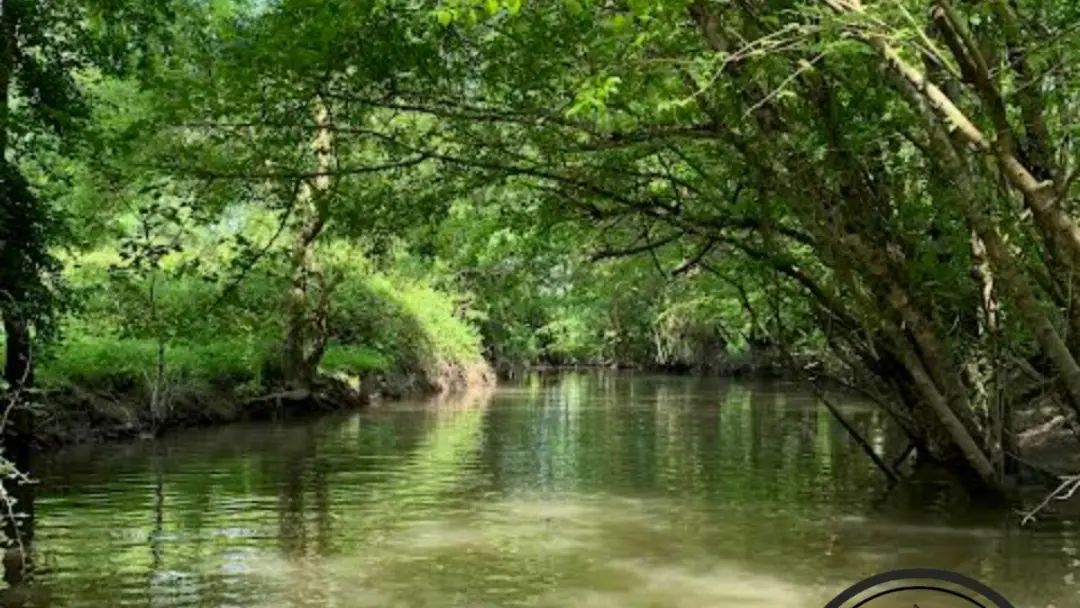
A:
444,17
493,6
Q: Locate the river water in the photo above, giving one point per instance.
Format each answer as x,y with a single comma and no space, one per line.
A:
585,489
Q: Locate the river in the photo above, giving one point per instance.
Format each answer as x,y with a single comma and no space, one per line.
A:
575,489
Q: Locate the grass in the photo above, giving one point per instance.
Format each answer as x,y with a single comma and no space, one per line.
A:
95,361
354,359
377,322
449,337
118,362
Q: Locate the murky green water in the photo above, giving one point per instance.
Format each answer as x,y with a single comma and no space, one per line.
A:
572,490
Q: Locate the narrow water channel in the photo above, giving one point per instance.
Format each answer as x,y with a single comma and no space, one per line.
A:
568,490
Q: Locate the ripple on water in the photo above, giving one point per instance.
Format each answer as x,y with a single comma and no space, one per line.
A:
589,491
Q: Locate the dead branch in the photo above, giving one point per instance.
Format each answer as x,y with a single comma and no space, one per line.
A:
1065,491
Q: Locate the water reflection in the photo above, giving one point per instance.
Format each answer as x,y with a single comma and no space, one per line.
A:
561,490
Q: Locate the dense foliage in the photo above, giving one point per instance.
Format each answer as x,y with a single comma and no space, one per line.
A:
256,194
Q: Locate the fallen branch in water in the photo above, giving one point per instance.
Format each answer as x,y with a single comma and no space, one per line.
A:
868,449
854,434
1065,491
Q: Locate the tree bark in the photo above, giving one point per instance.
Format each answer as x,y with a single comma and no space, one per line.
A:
973,454
298,368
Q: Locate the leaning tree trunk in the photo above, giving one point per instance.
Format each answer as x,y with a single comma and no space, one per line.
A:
939,399
914,88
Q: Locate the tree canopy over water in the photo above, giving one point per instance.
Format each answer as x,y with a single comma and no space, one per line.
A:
257,193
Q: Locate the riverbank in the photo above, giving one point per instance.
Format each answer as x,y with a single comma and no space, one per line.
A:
137,357
76,414
407,500
761,365
1047,441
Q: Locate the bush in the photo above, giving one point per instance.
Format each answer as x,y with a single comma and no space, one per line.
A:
109,362
411,324
376,321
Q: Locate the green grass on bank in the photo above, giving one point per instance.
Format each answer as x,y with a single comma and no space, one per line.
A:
96,361
354,360
106,362
376,322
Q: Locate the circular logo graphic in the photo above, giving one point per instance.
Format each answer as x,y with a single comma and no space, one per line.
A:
918,588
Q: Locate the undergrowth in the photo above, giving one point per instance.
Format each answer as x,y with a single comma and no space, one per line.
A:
377,321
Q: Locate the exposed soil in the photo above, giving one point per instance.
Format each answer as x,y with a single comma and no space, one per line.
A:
1049,440
78,415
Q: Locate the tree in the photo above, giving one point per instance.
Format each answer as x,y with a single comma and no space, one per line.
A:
43,49
895,185
770,133
283,103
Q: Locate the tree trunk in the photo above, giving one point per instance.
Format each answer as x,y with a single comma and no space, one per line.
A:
293,368
312,208
942,406
933,354
925,99
973,454
159,401
1031,310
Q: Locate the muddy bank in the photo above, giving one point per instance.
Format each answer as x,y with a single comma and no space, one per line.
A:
766,365
79,415
1049,440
